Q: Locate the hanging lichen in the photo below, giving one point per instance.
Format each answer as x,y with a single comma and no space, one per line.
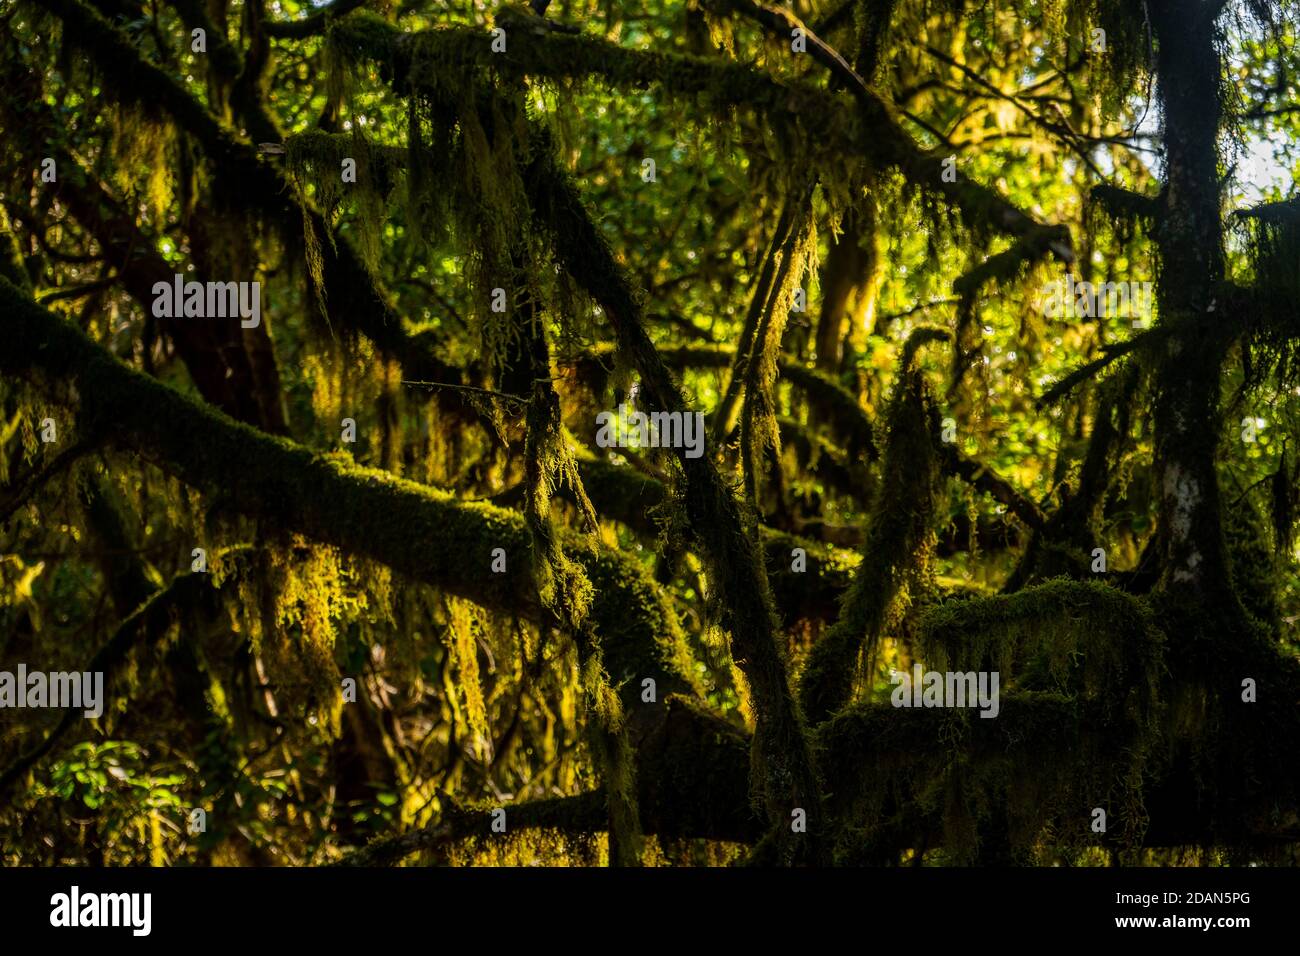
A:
462,658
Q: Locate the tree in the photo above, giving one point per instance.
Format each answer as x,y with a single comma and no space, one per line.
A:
420,419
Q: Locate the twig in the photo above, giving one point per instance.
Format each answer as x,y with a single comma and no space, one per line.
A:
504,396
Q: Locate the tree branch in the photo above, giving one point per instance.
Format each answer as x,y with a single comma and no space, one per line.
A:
413,61
418,531
312,25
584,813
1124,203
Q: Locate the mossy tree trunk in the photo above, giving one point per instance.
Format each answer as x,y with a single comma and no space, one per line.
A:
1189,236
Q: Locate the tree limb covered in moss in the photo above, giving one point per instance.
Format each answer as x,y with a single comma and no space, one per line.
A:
783,769
1124,203
896,533
421,532
583,813
1285,211
411,60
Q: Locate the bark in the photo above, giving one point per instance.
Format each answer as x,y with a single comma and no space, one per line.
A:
1190,242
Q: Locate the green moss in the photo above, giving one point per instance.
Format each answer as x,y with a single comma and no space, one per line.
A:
1078,662
1004,788
1080,638
416,530
759,437
1255,572
315,158
897,544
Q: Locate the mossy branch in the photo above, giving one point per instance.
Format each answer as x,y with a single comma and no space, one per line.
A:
896,538
1075,637
1123,203
940,777
419,531
411,61
583,813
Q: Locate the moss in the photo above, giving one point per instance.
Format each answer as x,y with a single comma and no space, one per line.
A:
756,312
812,595
1273,246
410,61
462,647
316,157
1080,638
821,459
418,531
760,439
140,140
897,543
1078,662
1255,572
1003,788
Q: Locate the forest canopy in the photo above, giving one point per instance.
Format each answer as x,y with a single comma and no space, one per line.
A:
672,433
